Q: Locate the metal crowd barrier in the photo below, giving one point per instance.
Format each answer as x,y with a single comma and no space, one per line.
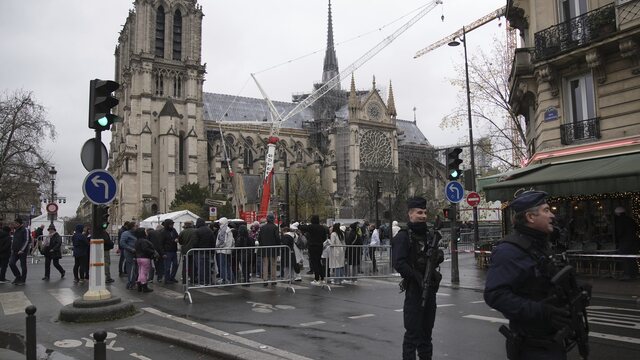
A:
374,262
245,266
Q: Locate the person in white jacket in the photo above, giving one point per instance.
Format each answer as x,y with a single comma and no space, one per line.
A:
224,241
336,255
373,244
394,229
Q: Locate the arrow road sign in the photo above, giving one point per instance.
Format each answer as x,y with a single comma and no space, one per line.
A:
454,191
99,187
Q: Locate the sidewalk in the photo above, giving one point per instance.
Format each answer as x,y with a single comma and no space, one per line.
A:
608,289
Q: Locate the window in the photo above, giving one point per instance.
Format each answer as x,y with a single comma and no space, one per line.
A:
177,35
569,9
579,99
177,86
160,32
159,85
182,139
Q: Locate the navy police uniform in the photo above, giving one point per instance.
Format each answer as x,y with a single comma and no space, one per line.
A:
519,285
409,248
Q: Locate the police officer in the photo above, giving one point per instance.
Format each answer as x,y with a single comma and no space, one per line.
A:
409,249
519,282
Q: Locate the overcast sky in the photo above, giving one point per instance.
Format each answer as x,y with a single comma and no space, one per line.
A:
53,48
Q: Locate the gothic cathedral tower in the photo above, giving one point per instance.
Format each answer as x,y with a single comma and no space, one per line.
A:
160,145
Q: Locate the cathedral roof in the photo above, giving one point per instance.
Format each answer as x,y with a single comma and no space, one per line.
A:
410,134
244,109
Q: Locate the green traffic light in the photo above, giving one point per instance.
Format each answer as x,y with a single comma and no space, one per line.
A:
103,121
104,226
454,174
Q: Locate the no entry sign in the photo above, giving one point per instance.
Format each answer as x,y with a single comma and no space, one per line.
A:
473,199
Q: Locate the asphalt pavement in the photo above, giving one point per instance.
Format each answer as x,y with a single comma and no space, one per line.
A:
360,321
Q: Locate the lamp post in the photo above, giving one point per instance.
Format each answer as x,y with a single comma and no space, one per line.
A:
476,235
52,176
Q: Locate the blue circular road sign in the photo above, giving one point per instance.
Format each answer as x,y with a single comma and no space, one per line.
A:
99,187
454,191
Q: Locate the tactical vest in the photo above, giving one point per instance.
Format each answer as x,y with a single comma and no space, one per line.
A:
418,244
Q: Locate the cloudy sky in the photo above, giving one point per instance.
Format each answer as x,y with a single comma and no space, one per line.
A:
53,48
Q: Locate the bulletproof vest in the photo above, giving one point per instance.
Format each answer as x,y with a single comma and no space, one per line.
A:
538,287
419,245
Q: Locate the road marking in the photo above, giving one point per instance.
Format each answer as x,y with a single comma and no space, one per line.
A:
255,289
476,302
593,307
14,302
614,337
612,315
238,339
254,331
167,293
399,310
613,323
487,318
361,316
313,323
443,294
445,305
141,357
65,296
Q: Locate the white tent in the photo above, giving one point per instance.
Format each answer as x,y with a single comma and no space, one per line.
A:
178,217
44,220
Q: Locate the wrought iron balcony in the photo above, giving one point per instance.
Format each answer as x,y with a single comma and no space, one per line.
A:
580,130
577,32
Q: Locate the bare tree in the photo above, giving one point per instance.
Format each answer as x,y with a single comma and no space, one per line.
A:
490,109
23,127
307,197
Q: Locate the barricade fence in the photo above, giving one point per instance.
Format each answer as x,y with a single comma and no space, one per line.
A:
345,264
245,266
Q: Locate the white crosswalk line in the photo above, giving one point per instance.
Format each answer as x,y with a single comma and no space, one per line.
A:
65,296
476,302
595,307
613,315
614,323
167,293
445,305
14,302
487,318
614,337
313,323
361,316
254,331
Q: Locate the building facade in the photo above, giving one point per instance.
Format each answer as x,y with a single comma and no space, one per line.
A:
575,81
173,133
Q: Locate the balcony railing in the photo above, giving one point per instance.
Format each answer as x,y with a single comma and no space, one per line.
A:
577,32
580,130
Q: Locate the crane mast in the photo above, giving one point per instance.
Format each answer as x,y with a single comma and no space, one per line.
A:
277,119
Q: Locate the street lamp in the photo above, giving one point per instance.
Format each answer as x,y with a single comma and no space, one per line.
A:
52,176
476,235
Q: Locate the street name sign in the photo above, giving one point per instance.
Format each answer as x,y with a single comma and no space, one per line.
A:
454,191
99,187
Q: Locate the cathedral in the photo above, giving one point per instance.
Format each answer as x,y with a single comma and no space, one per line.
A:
349,141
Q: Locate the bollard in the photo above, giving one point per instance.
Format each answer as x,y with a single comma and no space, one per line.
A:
100,348
31,332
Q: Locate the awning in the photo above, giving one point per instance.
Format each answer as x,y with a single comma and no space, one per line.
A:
620,173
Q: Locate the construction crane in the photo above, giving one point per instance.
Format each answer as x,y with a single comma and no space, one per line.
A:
278,119
474,25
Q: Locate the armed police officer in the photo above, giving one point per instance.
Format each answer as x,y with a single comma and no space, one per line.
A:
415,257
519,283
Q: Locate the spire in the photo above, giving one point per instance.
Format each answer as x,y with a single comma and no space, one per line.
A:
330,69
353,98
373,86
391,103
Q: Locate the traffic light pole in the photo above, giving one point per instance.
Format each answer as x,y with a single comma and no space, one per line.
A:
453,246
97,286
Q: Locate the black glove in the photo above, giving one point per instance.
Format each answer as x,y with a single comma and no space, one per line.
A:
559,317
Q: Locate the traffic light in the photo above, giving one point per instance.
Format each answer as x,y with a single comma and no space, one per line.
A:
378,189
454,162
103,216
101,101
445,212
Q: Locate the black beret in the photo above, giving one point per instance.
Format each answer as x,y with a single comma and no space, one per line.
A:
527,200
416,202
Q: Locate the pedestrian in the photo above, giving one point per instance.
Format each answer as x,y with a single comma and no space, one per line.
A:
51,249
410,247
518,282
80,254
394,229
256,261
299,244
37,240
107,246
205,240
127,246
627,242
19,251
269,236
354,251
337,253
157,264
5,252
244,255
170,245
224,241
87,232
122,269
186,239
317,235
374,243
145,253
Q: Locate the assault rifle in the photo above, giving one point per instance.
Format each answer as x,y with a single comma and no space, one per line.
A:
568,293
434,256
